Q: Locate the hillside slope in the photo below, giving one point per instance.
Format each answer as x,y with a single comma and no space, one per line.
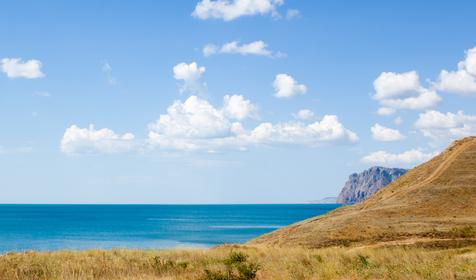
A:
361,186
435,200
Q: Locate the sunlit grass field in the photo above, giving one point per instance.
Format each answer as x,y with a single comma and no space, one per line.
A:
239,262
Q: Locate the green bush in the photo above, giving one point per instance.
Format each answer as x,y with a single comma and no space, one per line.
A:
237,267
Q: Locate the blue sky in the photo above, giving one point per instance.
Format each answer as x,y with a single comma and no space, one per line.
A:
257,101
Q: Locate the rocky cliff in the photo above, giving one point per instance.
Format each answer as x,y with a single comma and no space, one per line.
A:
361,186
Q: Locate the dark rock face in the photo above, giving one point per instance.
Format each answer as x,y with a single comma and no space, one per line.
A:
361,186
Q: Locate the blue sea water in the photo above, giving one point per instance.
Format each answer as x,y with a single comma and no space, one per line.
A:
55,227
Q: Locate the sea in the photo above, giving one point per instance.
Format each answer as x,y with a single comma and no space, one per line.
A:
80,227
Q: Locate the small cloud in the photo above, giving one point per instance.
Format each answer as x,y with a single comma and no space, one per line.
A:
398,121
107,69
396,91
77,140
258,48
210,49
445,127
16,68
382,133
304,114
190,75
386,111
285,86
292,14
230,10
407,158
463,80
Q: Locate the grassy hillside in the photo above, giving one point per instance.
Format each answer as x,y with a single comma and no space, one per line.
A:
271,263
436,200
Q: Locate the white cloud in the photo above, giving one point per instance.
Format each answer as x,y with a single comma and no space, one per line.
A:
16,68
292,13
425,99
396,91
259,48
191,125
470,61
107,69
458,81
446,127
329,129
398,121
197,125
286,86
407,158
382,133
464,79
229,10
210,49
304,114
42,94
392,85
78,140
190,75
237,107
386,111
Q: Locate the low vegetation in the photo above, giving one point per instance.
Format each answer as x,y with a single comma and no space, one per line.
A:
243,263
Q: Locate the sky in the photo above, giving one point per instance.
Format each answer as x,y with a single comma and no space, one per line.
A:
226,101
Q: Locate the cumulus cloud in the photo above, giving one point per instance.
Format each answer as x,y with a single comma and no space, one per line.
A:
239,108
229,10
443,127
458,81
192,125
329,129
463,80
17,68
190,75
259,48
396,91
78,140
195,124
304,114
382,133
286,86
407,158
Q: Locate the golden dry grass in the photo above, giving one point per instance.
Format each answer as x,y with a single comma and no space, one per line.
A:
275,263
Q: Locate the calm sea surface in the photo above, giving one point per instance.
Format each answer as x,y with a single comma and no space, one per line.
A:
53,227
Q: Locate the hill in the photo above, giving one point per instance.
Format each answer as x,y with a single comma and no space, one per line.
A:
433,202
362,185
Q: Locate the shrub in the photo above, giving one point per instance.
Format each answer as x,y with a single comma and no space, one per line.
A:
464,232
237,267
364,261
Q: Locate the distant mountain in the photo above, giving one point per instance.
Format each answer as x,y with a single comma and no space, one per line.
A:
361,186
433,203
325,200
